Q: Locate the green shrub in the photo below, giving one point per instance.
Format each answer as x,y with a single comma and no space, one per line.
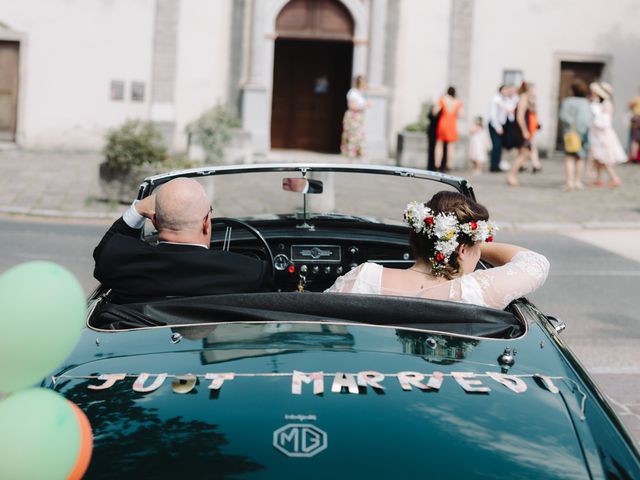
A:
423,119
212,131
177,162
135,143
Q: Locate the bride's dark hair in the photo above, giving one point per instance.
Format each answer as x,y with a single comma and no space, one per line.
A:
465,210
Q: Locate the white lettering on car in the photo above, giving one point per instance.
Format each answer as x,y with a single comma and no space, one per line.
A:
352,383
218,379
139,384
469,382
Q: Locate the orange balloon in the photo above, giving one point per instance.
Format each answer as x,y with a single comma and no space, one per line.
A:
86,444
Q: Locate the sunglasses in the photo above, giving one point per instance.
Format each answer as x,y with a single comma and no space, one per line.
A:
210,212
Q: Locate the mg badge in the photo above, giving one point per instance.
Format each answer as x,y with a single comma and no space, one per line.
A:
300,440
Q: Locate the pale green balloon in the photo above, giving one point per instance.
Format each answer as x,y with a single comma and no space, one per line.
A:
42,312
39,436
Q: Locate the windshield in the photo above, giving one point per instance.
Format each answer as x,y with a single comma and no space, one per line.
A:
344,194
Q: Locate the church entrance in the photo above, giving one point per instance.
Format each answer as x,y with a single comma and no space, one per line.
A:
311,75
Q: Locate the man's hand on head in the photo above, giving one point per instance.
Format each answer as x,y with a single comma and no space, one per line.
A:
147,206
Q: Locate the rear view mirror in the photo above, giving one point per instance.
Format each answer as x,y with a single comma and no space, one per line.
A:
302,185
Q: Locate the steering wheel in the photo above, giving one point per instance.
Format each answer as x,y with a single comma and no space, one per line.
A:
230,224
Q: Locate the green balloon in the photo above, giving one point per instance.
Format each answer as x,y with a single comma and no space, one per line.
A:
42,312
39,435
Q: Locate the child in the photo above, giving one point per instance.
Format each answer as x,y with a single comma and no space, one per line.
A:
477,145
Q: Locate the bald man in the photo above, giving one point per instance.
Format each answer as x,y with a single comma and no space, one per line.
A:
181,264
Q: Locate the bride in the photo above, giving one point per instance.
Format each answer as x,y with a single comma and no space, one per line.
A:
449,235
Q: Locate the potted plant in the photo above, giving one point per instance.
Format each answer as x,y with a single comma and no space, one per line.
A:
133,152
216,137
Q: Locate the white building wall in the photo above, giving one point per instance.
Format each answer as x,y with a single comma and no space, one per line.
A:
203,61
73,50
534,36
422,59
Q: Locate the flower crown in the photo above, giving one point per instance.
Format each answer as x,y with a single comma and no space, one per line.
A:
446,229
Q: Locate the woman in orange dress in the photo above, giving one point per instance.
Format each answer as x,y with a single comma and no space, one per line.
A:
449,109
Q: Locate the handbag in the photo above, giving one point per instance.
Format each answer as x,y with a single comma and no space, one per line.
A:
572,141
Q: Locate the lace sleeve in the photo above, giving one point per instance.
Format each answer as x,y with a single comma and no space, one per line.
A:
365,278
497,287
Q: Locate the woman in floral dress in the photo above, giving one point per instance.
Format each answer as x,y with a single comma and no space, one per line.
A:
352,144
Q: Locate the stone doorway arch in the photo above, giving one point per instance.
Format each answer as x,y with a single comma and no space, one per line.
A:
257,92
313,57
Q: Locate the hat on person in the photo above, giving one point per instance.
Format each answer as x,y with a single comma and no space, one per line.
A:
602,89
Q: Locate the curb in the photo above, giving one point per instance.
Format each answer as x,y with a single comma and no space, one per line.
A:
61,214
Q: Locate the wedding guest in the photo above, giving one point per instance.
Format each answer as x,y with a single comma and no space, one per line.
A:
353,138
606,149
449,108
534,125
477,145
576,118
519,135
634,150
431,143
500,108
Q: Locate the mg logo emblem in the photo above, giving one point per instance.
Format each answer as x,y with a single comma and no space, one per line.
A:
300,440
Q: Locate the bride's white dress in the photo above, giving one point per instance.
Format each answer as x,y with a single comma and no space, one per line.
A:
495,287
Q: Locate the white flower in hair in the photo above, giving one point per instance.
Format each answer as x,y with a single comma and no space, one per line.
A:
415,215
480,231
446,228
447,247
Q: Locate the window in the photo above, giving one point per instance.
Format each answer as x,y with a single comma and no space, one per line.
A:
137,91
512,77
117,90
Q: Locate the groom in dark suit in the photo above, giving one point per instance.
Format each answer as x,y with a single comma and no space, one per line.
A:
181,264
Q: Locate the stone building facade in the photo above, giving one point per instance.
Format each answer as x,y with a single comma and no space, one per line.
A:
71,70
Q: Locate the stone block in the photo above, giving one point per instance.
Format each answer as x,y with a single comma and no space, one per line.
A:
411,149
123,185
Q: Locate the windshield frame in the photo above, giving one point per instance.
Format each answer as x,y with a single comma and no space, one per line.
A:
149,184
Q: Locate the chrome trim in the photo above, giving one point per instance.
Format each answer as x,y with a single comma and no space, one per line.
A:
310,322
310,258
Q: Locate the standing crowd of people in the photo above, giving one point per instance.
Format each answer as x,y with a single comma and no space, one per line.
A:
586,117
513,123
588,135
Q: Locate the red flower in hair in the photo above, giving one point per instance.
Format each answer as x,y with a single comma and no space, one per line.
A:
439,257
428,220
474,225
490,239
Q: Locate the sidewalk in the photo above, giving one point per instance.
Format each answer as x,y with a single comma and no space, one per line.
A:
65,185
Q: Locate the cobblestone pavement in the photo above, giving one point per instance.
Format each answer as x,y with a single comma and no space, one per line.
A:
66,185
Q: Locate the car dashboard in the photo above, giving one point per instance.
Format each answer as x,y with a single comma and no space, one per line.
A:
315,258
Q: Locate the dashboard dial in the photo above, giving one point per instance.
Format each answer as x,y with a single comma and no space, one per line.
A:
280,262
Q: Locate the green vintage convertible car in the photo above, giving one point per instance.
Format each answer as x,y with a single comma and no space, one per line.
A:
299,383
